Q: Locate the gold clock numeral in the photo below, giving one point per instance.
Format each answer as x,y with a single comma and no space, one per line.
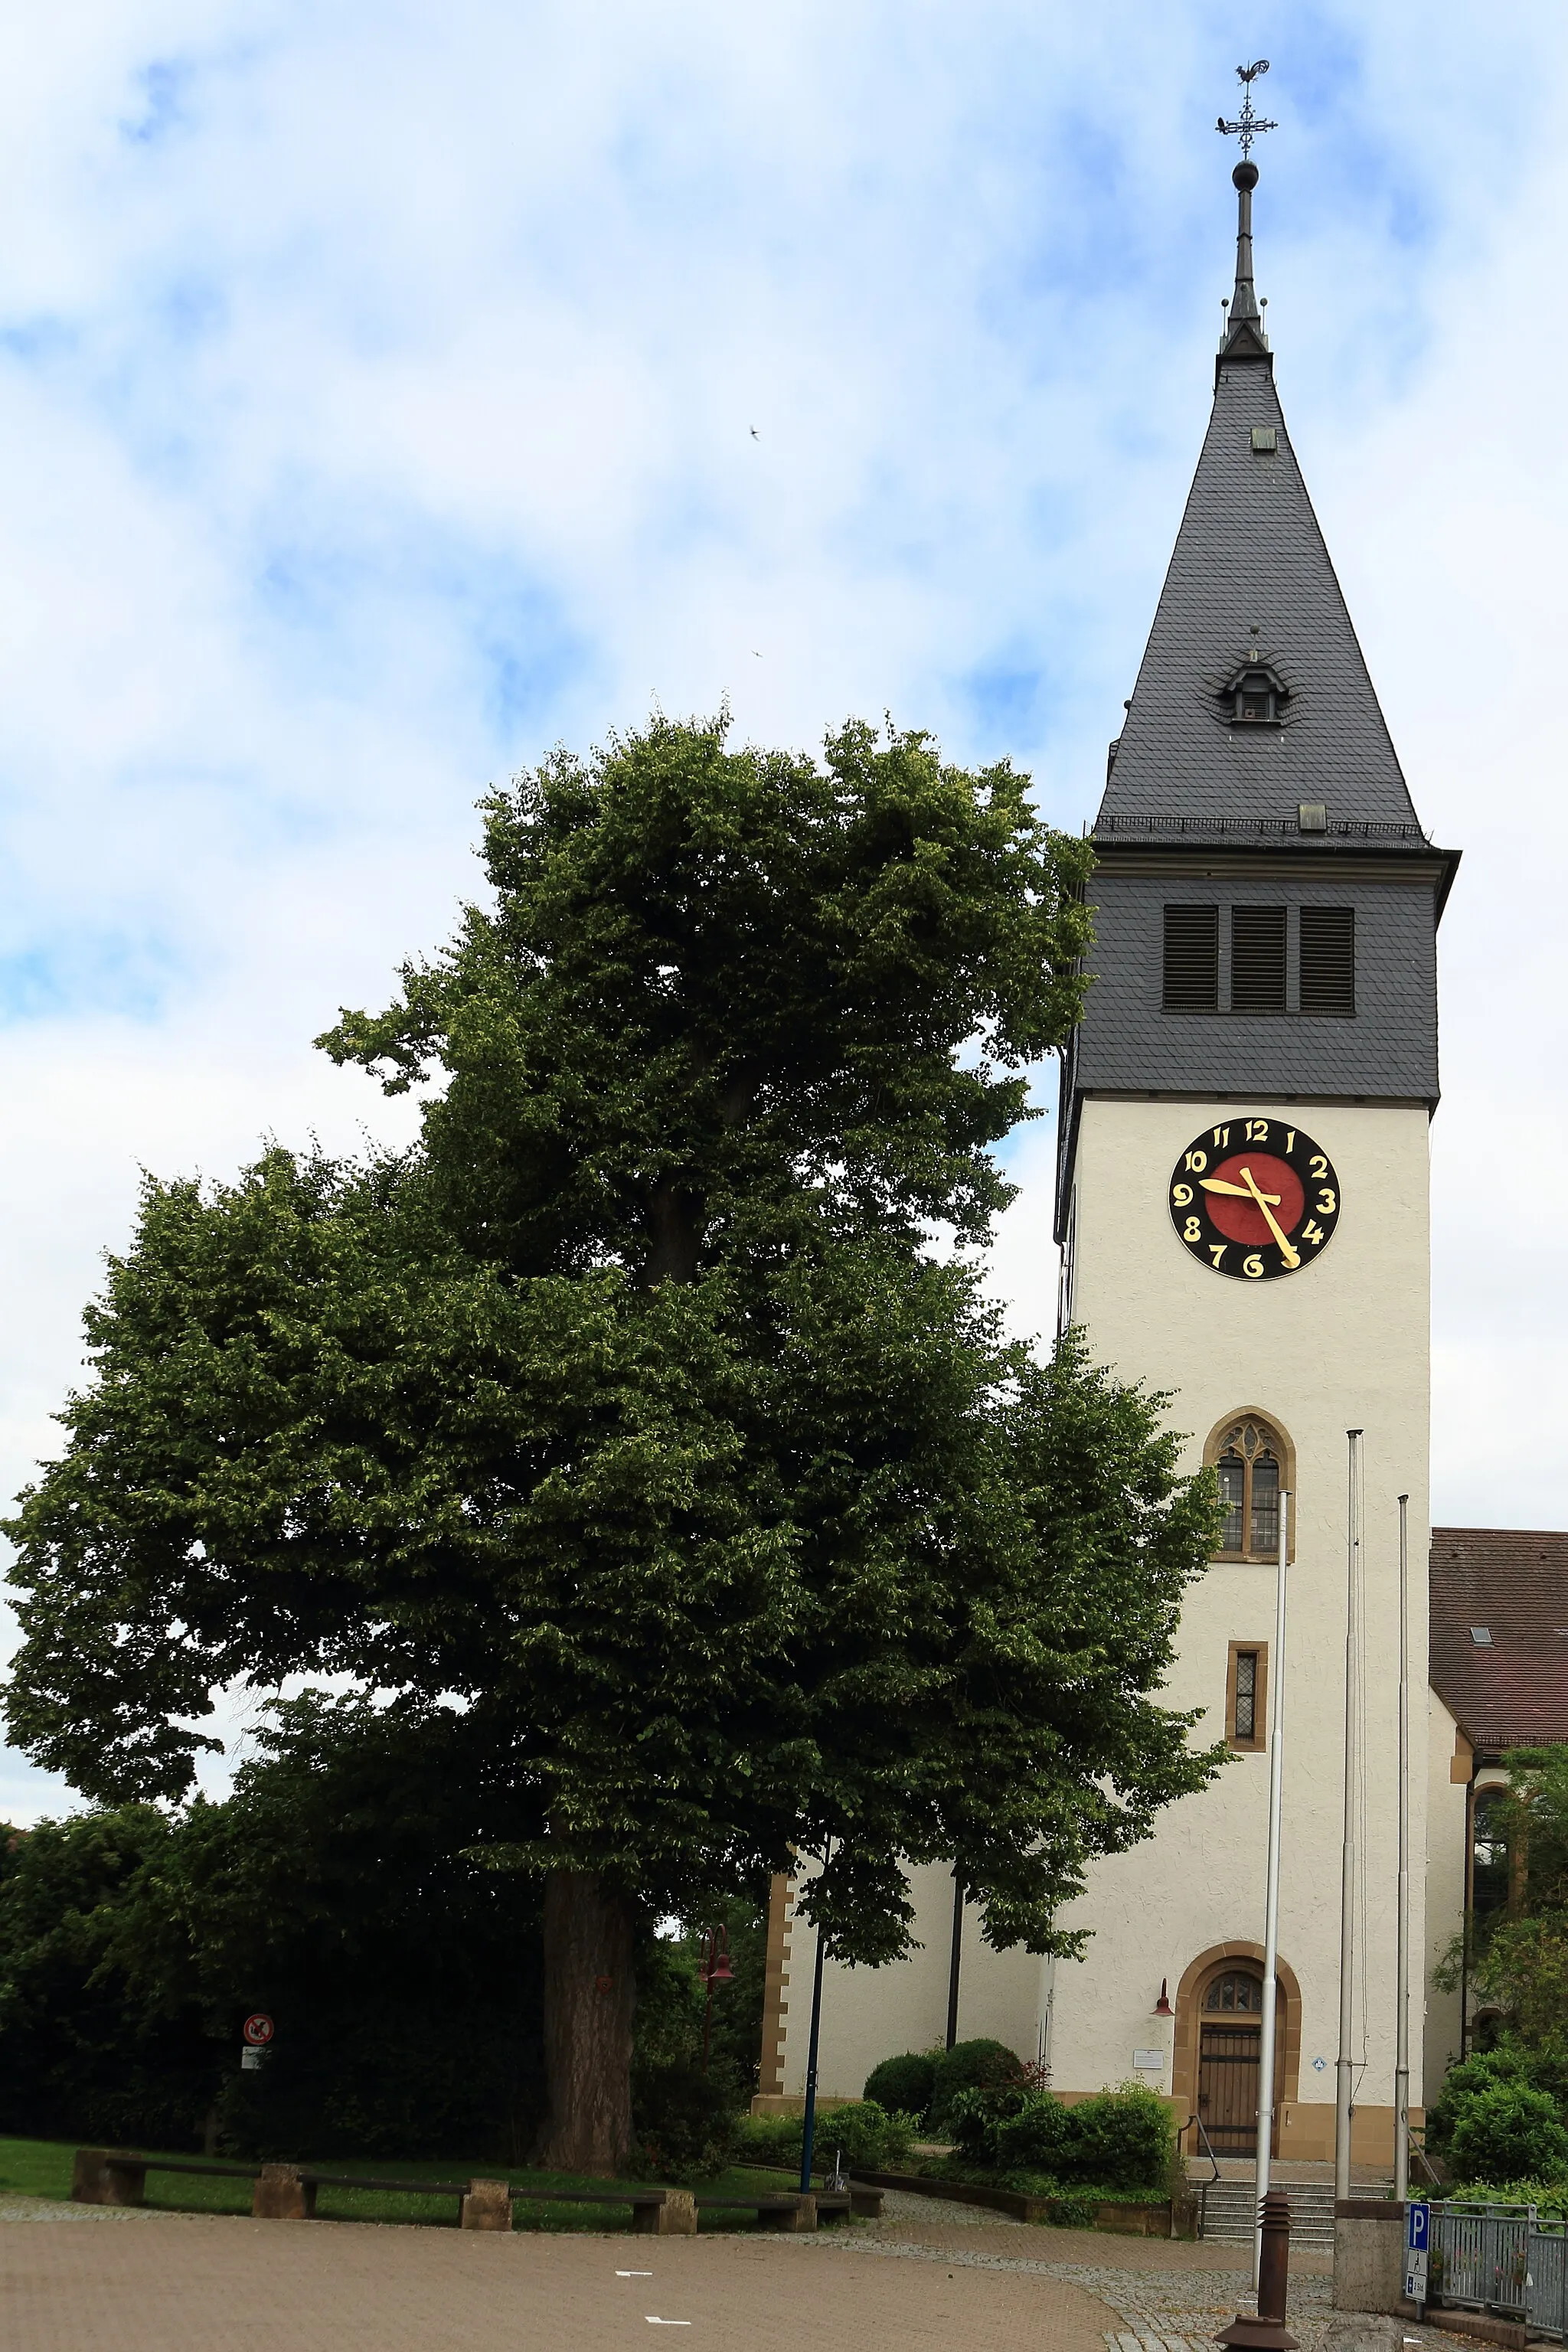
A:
1181,1194
1328,1202
1191,1231
1217,1250
1319,1165
1289,1141
1312,1232
1222,1135
1252,1265
1257,1131
1196,1162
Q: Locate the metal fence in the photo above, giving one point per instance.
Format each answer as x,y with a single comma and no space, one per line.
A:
1502,2258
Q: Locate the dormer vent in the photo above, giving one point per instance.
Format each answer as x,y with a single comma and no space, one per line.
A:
1255,694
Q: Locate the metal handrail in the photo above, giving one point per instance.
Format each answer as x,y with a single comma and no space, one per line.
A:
1208,2149
1204,2186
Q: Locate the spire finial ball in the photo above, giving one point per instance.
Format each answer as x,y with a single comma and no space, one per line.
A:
1245,177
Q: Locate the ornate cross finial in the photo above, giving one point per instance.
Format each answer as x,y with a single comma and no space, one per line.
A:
1248,125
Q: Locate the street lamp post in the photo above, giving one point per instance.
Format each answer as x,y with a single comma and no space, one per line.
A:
714,1968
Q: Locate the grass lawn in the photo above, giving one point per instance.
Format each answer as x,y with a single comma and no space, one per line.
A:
40,2168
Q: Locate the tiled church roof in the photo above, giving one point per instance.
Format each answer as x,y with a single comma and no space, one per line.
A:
1511,1583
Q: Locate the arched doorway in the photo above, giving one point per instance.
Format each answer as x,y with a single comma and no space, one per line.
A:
1230,2048
1218,2045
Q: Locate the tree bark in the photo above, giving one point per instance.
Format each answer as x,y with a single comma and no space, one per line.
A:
589,1997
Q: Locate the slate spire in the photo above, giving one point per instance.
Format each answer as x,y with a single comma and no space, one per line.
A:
1250,582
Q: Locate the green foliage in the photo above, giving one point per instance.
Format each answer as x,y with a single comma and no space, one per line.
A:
81,2052
331,1889
1508,2063
903,2085
1509,2131
629,1436
1550,2197
685,2122
1119,2143
968,2065
867,2137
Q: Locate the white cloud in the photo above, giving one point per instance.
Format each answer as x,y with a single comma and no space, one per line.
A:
378,386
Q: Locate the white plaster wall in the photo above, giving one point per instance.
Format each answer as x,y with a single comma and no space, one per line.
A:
1447,1806
869,2014
1342,1344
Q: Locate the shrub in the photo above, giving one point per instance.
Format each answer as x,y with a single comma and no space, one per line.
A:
870,2139
684,2125
1509,2132
903,2085
1482,2071
975,2065
1036,2137
1123,2139
1119,2141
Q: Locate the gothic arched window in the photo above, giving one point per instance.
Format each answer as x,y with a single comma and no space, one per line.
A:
1250,1457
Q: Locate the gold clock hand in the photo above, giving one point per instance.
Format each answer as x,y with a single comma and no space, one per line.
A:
1289,1256
1240,1191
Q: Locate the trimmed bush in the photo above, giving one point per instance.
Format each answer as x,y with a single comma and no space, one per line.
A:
1123,2137
1037,2138
903,2085
1509,2132
978,2065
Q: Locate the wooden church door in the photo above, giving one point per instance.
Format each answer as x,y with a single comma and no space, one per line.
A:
1229,2052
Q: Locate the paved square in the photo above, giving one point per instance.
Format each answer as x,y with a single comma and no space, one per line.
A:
164,2283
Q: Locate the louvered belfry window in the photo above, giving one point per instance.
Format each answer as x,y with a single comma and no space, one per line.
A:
1192,959
1327,960
1258,959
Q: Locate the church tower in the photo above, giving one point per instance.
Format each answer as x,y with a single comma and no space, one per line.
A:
1242,1205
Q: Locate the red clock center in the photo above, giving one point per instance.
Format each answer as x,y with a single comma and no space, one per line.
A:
1241,1220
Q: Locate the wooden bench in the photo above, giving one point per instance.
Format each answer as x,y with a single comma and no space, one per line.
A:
287,2192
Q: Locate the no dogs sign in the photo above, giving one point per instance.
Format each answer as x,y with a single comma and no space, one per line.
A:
257,2030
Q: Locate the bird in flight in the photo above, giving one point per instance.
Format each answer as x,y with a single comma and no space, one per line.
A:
755,434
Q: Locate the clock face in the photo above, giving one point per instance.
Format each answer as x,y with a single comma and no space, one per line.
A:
1254,1198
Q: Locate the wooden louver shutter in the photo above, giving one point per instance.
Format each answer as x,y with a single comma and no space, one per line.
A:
1192,959
1327,960
1258,959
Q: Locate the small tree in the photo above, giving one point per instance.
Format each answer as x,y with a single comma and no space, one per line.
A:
633,1419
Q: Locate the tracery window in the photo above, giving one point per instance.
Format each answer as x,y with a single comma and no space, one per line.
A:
1249,1455
1237,1990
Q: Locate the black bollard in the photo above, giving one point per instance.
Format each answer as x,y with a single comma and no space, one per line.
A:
1267,2332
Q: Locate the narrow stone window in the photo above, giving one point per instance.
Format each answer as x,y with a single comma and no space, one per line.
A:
1244,1695
1192,959
1328,961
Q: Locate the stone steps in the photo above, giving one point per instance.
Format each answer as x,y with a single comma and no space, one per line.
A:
1229,2211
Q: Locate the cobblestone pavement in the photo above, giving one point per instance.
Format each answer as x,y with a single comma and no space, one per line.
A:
207,2284
1169,2296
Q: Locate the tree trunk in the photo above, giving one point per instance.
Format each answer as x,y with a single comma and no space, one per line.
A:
589,1996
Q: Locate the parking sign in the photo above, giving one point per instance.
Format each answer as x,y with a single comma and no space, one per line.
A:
1417,2231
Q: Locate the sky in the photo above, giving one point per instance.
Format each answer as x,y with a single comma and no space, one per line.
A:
388,394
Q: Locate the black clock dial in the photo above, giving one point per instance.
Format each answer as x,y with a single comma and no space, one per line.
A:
1254,1198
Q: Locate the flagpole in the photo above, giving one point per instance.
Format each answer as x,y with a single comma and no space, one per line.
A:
1342,2085
1271,1900
1402,1937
